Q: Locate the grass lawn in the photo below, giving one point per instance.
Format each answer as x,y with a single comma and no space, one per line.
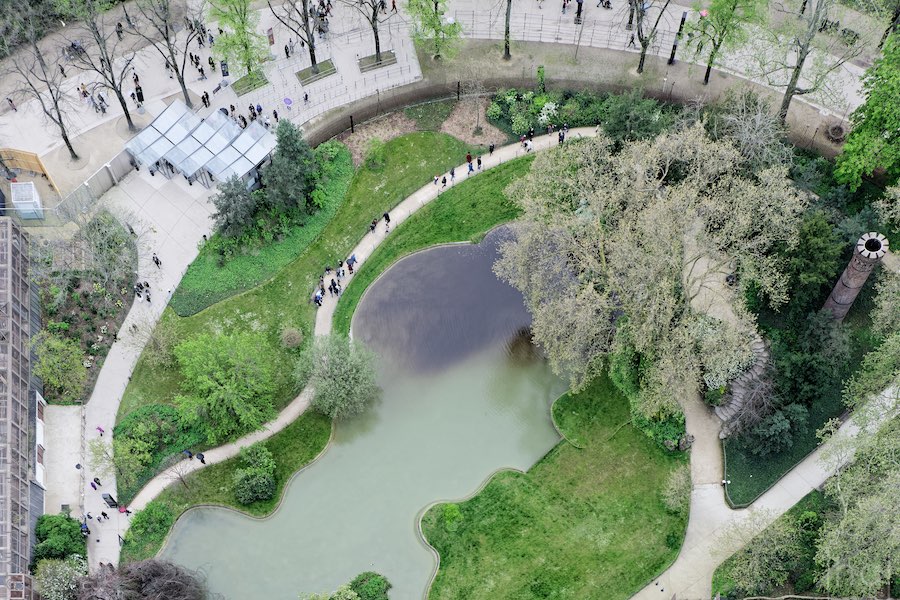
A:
293,448
249,82
430,115
285,300
579,524
307,76
464,212
208,280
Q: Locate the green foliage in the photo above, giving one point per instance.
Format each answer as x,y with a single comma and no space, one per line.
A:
375,155
342,374
240,44
725,25
878,369
464,212
541,79
57,579
228,384
59,365
605,529
452,516
874,140
292,175
677,493
429,116
58,537
236,207
433,29
148,530
227,266
371,586
775,433
813,264
256,480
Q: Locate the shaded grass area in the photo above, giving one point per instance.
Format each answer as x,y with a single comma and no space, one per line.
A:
802,577
431,115
292,448
210,278
750,475
579,524
308,76
286,299
464,212
249,82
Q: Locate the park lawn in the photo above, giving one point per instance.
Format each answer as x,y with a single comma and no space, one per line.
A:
430,115
581,523
209,280
464,212
292,448
286,299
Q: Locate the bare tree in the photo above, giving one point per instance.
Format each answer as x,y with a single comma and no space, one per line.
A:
106,53
36,79
296,16
474,90
645,25
370,10
165,33
151,579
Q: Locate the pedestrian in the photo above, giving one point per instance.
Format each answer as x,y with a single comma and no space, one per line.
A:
211,39
479,162
267,122
119,29
101,430
351,262
105,516
566,128
135,78
243,122
491,149
12,104
156,261
148,297
469,157
436,179
562,137
139,91
97,481
275,114
201,458
394,6
531,134
471,168
452,174
259,109
89,516
212,65
565,4
305,98
94,485
387,221
291,45
187,453
373,225
62,70
287,51
231,109
202,74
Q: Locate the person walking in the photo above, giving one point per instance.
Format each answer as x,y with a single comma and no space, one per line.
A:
452,174
393,6
12,104
291,44
139,91
188,453
479,162
94,485
287,51
97,481
148,296
212,64
156,261
443,182
305,98
202,74
119,30
373,225
101,430
104,515
387,221
275,114
135,78
201,458
491,149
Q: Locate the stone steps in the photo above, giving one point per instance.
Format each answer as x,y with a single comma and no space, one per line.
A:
738,389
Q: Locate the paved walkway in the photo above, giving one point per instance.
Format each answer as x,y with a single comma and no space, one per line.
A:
325,314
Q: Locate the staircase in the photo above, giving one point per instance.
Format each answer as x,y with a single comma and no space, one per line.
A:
734,399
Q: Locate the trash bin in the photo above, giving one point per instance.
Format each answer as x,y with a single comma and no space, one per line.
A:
110,501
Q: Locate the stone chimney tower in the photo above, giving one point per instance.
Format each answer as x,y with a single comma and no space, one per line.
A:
870,249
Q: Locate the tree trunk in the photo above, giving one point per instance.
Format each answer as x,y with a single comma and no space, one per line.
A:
377,41
506,54
709,65
187,97
791,89
312,57
640,68
68,143
121,98
892,28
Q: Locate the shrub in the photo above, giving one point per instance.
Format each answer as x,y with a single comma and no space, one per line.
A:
256,480
150,525
371,586
677,493
58,537
291,337
494,112
452,516
342,374
58,579
776,432
60,365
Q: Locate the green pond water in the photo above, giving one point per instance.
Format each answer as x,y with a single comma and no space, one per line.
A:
463,396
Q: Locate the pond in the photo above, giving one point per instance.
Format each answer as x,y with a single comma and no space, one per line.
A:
463,395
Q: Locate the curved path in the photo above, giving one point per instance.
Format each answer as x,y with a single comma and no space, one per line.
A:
362,250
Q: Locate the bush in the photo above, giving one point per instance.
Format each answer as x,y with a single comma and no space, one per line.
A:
60,366
677,493
452,516
291,337
256,481
775,433
149,526
342,374
58,579
371,586
58,537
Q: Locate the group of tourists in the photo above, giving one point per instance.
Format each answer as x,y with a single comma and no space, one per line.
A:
334,276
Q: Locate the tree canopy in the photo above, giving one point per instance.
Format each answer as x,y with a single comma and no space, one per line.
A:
293,173
342,374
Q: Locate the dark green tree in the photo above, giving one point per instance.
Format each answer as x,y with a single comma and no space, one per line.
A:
236,208
58,536
293,173
256,480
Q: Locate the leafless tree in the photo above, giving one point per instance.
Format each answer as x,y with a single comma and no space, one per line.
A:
145,580
165,31
106,53
760,399
370,10
35,78
646,24
748,119
296,16
474,90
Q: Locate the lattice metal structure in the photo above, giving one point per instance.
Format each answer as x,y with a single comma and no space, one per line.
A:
16,450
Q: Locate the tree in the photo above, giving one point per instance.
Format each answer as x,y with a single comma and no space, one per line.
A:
106,53
874,141
293,173
228,384
57,579
371,586
342,375
125,458
165,32
151,579
859,545
34,76
645,26
724,25
677,493
747,119
60,366
432,28
240,42
506,37
345,592
767,558
370,11
59,537
298,17
799,55
235,206
256,479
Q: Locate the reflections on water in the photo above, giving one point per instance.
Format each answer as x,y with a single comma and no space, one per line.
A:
463,397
